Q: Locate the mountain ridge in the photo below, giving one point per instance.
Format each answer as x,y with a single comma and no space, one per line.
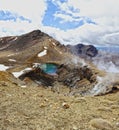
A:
20,53
34,98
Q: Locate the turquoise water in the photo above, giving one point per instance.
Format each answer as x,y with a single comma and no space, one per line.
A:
49,68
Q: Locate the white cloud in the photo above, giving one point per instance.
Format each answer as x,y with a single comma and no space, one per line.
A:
103,12
87,34
66,13
90,8
65,18
30,9
15,27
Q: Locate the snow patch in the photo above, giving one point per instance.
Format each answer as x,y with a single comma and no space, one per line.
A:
15,39
23,86
13,54
43,53
36,65
53,43
17,74
13,60
10,55
45,47
3,67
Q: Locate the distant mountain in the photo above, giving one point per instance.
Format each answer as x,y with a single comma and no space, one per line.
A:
37,46
83,50
38,59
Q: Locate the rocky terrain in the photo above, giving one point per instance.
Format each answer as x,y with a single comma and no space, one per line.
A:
45,85
83,50
39,108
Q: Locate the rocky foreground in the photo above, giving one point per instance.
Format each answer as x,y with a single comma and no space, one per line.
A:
39,108
34,97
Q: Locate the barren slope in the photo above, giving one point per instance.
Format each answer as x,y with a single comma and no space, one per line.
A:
38,108
32,106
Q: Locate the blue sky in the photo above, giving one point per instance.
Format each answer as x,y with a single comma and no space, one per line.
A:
7,15
57,22
68,21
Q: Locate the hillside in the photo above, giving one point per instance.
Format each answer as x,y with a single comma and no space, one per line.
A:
45,86
24,48
39,108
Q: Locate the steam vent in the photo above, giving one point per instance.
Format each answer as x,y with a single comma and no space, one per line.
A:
46,85
44,61
64,75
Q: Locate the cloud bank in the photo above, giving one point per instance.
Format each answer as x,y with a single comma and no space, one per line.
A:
100,20
29,9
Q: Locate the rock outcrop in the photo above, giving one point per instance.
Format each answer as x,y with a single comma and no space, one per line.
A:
83,50
20,53
38,76
27,48
21,42
78,79
75,78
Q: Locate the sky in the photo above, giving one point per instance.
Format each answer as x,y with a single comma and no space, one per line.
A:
93,22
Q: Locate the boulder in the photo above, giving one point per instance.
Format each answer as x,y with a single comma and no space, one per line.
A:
101,124
80,79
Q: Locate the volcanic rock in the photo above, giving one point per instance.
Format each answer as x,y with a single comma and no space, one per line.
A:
81,78
27,48
37,47
77,79
101,124
38,76
83,50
